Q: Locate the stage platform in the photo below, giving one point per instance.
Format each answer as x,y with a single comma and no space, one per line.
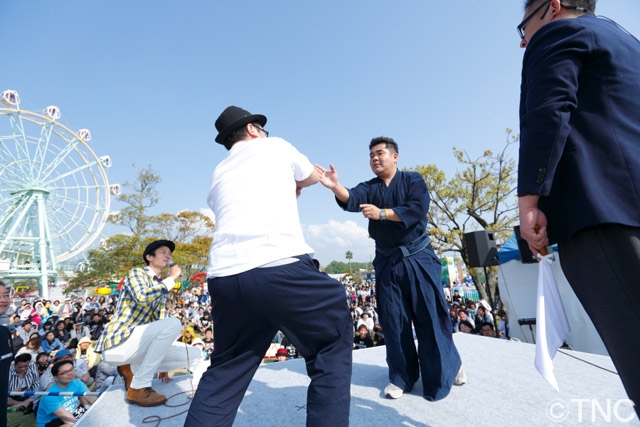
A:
503,389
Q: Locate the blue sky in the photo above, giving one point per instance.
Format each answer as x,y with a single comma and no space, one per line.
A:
149,79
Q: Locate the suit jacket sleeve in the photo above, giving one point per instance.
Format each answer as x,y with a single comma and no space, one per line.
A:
551,68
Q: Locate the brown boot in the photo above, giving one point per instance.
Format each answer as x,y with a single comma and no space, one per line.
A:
126,373
145,397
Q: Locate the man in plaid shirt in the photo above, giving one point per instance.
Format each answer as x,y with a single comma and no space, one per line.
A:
139,339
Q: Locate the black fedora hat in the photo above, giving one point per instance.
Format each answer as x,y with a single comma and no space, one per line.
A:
151,247
232,119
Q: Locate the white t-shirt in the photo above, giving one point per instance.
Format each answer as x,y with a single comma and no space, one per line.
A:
253,197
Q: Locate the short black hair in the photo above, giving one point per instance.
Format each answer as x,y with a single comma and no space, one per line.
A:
389,143
56,367
238,135
589,6
467,324
483,324
24,357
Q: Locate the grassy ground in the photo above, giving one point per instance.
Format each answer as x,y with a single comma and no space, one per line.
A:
18,419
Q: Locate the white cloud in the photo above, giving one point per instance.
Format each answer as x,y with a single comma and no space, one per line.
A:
331,241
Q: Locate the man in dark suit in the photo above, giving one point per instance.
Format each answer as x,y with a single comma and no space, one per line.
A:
579,169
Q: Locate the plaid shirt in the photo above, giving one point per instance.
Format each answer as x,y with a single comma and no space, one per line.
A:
142,300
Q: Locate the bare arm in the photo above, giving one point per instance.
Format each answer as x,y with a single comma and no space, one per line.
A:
85,400
307,182
65,416
329,179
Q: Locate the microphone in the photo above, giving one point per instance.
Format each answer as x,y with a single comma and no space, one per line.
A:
170,264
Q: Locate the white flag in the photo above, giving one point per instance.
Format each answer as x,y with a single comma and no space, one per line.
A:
552,326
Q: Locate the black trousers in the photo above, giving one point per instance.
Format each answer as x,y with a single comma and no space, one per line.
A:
248,309
602,265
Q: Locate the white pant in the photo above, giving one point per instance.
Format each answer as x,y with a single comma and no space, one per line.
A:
152,348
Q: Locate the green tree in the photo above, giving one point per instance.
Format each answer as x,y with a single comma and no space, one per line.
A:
181,227
191,231
336,267
349,257
339,267
481,196
143,196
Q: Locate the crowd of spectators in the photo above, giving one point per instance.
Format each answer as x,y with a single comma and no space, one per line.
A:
467,316
48,332
45,333
476,317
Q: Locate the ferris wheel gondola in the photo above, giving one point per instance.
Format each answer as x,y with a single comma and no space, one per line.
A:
54,191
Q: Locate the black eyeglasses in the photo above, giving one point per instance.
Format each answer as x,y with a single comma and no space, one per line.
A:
259,128
531,15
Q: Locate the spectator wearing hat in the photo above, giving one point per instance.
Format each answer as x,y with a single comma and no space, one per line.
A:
282,354
140,339
261,279
366,320
80,366
80,330
39,313
85,350
372,313
25,311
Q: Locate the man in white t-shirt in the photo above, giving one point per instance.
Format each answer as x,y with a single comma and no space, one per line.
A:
262,279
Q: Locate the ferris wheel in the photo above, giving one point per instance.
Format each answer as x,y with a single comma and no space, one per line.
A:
54,192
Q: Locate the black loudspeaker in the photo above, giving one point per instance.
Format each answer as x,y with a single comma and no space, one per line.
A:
523,247
481,248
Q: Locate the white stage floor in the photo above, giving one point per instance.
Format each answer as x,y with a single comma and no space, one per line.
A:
503,389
